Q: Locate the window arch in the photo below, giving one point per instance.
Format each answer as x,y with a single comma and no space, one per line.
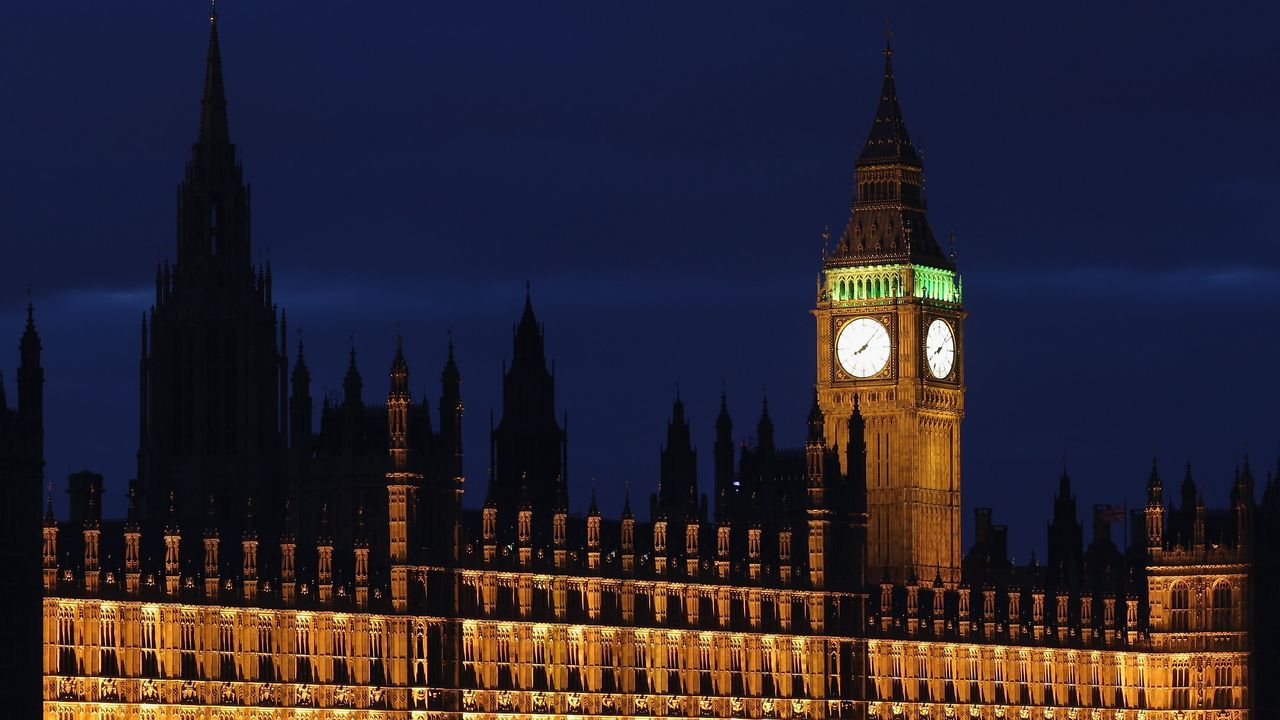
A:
1220,614
1179,607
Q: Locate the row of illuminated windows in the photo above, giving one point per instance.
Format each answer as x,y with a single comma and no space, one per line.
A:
245,646
503,656
1220,608
646,605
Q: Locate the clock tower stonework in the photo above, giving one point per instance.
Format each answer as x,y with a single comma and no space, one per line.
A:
890,337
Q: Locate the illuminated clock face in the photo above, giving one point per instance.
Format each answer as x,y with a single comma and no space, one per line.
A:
863,347
940,348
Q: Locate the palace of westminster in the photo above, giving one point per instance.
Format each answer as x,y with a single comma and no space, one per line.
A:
279,561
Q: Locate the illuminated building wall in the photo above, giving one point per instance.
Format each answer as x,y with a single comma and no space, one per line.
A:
819,581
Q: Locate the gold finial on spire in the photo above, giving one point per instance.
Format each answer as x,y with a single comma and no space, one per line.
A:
213,11
888,36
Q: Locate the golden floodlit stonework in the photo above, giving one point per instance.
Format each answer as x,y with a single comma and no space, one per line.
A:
271,570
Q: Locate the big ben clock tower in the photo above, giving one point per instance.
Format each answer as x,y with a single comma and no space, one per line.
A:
890,337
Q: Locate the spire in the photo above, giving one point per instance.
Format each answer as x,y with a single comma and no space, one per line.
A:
888,141
816,421
888,222
626,502
593,509
213,113
399,369
724,424
1155,489
29,346
764,428
300,370
450,377
352,384
250,530
1188,490
528,340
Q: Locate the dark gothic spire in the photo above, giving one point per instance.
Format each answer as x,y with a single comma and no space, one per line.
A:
1189,492
816,421
888,141
764,428
29,346
301,373
724,424
450,378
528,340
352,384
1155,489
399,369
213,114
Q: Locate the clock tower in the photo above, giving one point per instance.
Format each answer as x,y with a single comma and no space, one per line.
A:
890,335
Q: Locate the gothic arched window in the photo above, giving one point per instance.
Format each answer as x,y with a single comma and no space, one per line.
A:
1179,607
1221,612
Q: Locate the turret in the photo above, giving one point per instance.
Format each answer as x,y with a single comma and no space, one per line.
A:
211,541
31,386
92,537
678,481
352,384
361,559
764,432
1155,509
50,553
172,548
1242,499
300,411
593,534
288,557
628,536
724,475
1198,526
132,545
249,554
856,463
524,527
324,557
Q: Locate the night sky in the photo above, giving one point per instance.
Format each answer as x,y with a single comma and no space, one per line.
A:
661,173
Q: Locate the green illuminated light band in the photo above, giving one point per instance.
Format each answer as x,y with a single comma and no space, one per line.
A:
879,282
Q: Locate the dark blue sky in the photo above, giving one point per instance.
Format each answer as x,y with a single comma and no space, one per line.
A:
661,172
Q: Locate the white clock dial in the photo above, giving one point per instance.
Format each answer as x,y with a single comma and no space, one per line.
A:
940,348
863,347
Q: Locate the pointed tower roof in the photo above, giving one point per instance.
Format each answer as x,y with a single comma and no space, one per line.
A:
300,366
888,222
352,384
764,428
888,141
1155,488
399,368
450,376
528,338
213,113
724,423
816,421
30,342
